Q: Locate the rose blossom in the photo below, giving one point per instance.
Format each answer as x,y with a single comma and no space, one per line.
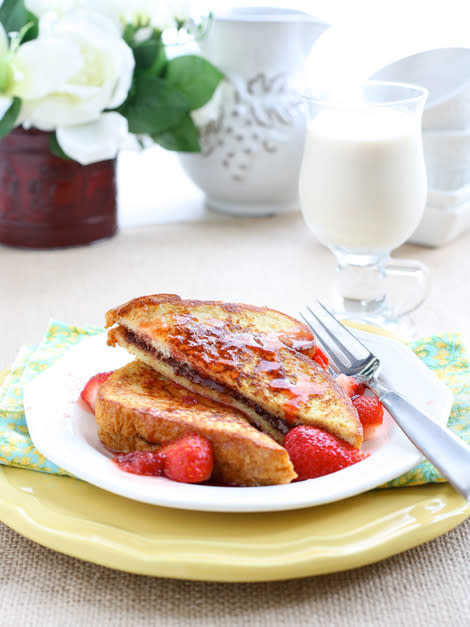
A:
78,67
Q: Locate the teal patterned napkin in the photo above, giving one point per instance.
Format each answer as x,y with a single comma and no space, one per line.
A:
445,355
16,447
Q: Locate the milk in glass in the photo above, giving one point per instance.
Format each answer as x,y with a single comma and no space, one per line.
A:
363,178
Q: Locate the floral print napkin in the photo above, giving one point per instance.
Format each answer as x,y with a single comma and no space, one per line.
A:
16,447
444,354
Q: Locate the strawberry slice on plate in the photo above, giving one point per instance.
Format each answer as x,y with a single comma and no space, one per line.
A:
371,413
141,462
188,459
90,391
350,385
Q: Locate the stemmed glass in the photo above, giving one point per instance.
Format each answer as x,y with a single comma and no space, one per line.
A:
363,192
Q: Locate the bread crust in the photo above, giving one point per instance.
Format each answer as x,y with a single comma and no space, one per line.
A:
139,409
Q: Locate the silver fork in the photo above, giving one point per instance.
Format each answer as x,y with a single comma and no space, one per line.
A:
449,454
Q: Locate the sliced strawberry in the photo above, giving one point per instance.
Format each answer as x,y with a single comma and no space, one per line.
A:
188,459
315,452
141,462
350,385
320,357
370,412
90,391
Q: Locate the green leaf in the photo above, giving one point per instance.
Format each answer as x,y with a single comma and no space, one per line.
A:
33,31
13,15
56,149
183,138
195,77
149,54
159,62
8,121
154,106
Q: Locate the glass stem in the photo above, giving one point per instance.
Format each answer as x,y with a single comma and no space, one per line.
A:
360,283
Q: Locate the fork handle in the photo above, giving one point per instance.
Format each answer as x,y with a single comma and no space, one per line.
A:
449,454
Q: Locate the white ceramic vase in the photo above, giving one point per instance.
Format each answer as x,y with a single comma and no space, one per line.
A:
253,130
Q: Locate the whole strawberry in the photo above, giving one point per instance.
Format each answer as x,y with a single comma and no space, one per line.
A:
314,452
188,459
370,412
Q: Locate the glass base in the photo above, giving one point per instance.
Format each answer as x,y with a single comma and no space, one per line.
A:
379,291
384,322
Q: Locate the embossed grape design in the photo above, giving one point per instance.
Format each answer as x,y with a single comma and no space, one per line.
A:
255,118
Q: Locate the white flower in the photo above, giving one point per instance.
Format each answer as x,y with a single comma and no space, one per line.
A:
76,68
62,7
160,13
40,7
180,9
143,34
95,141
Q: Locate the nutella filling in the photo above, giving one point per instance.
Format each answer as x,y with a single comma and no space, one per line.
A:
183,370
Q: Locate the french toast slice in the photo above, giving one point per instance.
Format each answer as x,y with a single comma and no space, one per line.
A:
139,409
255,359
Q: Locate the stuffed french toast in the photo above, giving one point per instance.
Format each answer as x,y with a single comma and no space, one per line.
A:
256,360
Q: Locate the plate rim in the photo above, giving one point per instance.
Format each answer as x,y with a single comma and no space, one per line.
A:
80,540
194,504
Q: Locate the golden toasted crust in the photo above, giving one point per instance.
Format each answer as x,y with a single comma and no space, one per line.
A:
255,358
139,409
143,301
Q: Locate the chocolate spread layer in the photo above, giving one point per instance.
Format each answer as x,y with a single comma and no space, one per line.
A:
183,370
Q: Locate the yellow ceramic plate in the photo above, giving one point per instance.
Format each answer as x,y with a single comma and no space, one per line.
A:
87,522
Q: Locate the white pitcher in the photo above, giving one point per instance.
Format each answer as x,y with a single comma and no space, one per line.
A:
252,132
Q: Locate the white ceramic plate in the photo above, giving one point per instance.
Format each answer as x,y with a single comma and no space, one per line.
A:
65,432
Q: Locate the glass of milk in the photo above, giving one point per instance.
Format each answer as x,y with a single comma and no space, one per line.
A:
362,193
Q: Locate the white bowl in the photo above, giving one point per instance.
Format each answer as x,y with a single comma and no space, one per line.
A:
448,199
447,157
445,72
438,227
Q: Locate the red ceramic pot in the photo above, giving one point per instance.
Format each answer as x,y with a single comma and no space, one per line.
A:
49,202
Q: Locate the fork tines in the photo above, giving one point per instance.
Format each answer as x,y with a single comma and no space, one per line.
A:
342,347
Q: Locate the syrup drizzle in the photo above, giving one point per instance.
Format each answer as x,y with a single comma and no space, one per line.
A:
222,349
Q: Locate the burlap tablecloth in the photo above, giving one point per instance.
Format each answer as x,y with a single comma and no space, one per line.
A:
272,261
